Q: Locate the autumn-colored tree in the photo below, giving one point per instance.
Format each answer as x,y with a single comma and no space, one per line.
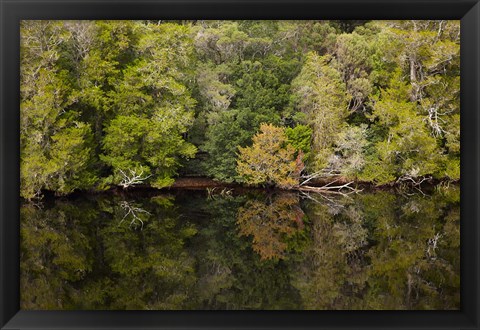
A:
270,160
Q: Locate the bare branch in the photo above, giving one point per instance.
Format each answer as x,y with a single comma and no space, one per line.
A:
332,189
132,179
320,174
432,245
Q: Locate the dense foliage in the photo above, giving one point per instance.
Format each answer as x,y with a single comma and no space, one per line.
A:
107,103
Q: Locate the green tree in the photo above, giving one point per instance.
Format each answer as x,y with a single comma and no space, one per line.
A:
407,150
154,108
353,53
300,137
56,146
429,53
321,95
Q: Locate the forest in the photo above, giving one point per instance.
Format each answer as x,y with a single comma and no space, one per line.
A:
259,103
263,114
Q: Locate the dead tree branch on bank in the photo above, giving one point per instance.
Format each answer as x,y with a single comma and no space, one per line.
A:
343,189
132,179
320,174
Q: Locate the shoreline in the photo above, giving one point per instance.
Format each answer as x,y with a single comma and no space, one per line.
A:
205,184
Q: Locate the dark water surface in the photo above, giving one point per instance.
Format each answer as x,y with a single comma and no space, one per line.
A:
249,250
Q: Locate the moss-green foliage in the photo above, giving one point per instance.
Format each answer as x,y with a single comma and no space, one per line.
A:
408,150
321,95
55,143
154,106
105,97
98,98
300,137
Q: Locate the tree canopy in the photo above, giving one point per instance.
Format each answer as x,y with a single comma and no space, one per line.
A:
118,103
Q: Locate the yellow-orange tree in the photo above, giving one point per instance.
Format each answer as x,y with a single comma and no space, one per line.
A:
270,160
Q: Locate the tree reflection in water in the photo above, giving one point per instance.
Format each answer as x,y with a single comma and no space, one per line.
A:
270,222
378,250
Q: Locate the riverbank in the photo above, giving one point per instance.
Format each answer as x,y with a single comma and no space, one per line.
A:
217,187
204,183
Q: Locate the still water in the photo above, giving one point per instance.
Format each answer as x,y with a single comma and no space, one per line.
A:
242,250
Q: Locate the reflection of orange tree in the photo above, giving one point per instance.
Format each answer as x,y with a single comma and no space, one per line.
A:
271,223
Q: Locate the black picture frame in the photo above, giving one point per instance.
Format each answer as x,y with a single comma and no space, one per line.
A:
12,11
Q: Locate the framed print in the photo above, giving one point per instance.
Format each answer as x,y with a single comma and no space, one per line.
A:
239,164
